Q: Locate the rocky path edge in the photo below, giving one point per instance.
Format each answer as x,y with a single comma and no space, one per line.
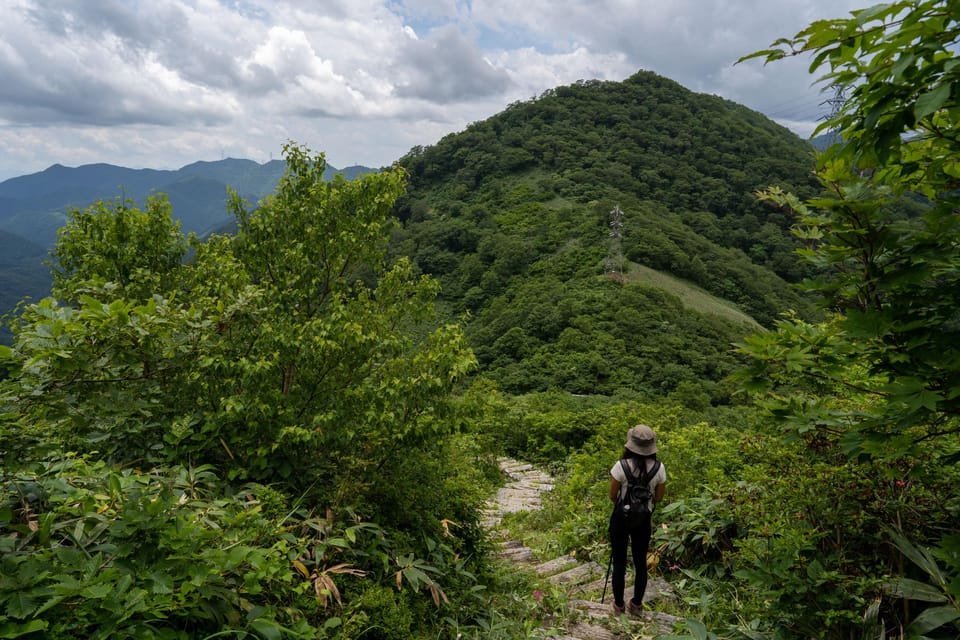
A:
583,582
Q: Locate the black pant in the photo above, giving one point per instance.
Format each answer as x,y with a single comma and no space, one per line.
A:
640,538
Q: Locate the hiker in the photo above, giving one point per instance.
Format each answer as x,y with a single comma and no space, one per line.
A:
639,460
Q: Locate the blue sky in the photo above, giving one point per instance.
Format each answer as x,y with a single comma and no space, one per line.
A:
162,83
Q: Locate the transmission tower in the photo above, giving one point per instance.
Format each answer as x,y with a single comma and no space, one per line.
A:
836,104
614,264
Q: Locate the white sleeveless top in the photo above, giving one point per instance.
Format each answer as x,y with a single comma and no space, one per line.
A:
618,475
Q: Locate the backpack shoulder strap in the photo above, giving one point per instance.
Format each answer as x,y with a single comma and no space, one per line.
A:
646,475
652,473
629,477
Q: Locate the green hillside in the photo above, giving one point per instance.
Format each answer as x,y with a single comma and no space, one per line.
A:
23,274
691,296
512,216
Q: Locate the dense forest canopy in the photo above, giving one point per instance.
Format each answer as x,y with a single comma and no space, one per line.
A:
512,217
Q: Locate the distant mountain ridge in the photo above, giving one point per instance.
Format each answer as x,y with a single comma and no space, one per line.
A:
34,206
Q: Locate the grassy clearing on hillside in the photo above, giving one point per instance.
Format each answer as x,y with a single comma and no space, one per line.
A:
690,295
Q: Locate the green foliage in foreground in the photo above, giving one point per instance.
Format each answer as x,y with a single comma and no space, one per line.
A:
255,443
881,375
760,538
98,552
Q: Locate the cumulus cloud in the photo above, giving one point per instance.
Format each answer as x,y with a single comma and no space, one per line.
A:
446,67
63,66
168,82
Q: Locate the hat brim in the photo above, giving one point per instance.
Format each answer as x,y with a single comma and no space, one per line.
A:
643,451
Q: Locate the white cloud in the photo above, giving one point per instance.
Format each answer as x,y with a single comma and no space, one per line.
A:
162,83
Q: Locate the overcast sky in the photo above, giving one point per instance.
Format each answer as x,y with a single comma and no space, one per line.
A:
162,83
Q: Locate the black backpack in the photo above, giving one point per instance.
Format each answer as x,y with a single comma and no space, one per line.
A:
635,505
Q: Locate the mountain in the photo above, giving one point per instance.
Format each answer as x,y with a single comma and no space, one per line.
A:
33,207
23,274
513,216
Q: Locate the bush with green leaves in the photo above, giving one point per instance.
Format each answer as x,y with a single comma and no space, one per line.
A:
91,551
208,448
877,381
290,353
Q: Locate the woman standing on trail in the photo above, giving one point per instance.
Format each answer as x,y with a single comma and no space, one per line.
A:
639,461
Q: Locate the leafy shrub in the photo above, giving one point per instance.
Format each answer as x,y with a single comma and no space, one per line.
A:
93,551
379,613
89,551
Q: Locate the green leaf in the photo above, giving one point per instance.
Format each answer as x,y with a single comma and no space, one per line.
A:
919,556
15,630
162,582
98,591
332,623
20,605
901,65
951,167
914,590
931,101
697,628
931,619
267,628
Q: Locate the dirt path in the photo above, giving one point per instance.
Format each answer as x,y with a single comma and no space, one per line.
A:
583,583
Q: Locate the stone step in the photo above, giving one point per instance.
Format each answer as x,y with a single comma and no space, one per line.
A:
511,544
536,477
533,486
577,575
556,565
522,554
586,631
595,610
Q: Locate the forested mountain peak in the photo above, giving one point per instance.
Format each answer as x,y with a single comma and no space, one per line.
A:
681,149
512,215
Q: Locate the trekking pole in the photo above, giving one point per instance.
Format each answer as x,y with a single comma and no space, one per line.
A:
609,564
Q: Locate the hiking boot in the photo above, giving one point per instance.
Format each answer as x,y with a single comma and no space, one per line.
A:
635,610
616,610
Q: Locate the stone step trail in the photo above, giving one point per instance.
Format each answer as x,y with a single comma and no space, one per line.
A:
582,581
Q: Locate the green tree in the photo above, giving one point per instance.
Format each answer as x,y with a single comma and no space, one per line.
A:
114,242
289,353
880,378
892,347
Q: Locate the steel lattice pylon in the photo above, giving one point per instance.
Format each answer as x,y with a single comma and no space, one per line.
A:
614,264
